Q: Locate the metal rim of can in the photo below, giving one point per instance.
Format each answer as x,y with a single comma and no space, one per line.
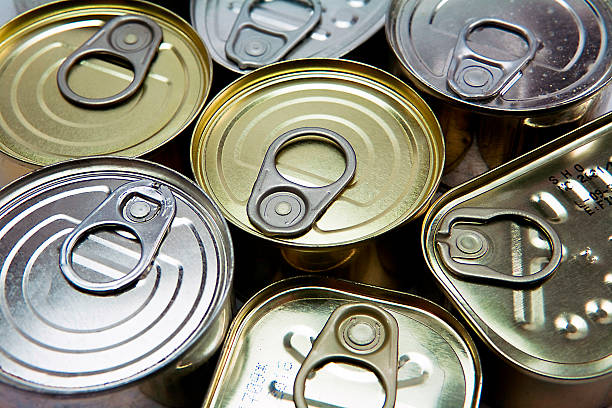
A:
194,201
550,371
218,53
271,297
385,86
52,15
400,11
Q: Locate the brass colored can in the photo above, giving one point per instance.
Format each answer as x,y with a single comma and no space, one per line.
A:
61,65
524,253
342,340
382,133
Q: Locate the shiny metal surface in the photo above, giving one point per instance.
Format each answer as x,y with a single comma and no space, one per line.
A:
63,343
273,333
559,329
395,137
343,25
39,126
573,62
10,9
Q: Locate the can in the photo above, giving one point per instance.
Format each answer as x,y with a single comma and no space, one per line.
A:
316,121
71,92
248,34
517,73
345,338
523,253
116,285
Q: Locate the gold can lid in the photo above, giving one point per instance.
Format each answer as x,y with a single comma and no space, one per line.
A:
40,126
396,138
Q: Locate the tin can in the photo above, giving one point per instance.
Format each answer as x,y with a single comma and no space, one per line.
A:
116,285
517,73
248,34
523,253
87,79
316,121
345,338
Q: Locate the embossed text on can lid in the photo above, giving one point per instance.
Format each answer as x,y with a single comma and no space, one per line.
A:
504,56
435,360
395,136
267,25
560,326
40,126
62,336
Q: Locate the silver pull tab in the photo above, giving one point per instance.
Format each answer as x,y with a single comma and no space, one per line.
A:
251,45
459,248
474,76
145,208
278,206
130,38
358,333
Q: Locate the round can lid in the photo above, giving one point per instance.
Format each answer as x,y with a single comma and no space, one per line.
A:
41,126
504,56
396,138
342,26
58,337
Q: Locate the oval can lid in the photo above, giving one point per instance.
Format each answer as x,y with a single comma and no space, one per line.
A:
396,138
40,126
504,56
342,27
58,338
437,366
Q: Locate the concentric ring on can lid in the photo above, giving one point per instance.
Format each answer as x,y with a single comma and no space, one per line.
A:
437,48
57,338
342,27
40,126
395,136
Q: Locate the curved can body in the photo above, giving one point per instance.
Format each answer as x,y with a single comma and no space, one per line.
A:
282,336
523,253
61,61
512,75
116,285
345,121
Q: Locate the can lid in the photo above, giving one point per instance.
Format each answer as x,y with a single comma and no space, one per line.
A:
504,56
312,328
246,34
41,126
396,140
67,331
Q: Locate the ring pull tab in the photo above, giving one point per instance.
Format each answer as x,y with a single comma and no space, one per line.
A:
474,76
359,333
131,38
251,45
145,208
278,206
459,247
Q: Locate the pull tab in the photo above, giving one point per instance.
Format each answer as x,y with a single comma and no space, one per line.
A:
474,76
145,208
359,333
278,206
252,46
131,38
460,247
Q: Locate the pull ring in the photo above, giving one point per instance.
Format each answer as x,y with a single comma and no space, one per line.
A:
131,38
278,206
359,333
475,246
146,209
474,76
251,45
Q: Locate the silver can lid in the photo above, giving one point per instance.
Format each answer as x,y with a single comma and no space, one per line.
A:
504,56
88,327
247,34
